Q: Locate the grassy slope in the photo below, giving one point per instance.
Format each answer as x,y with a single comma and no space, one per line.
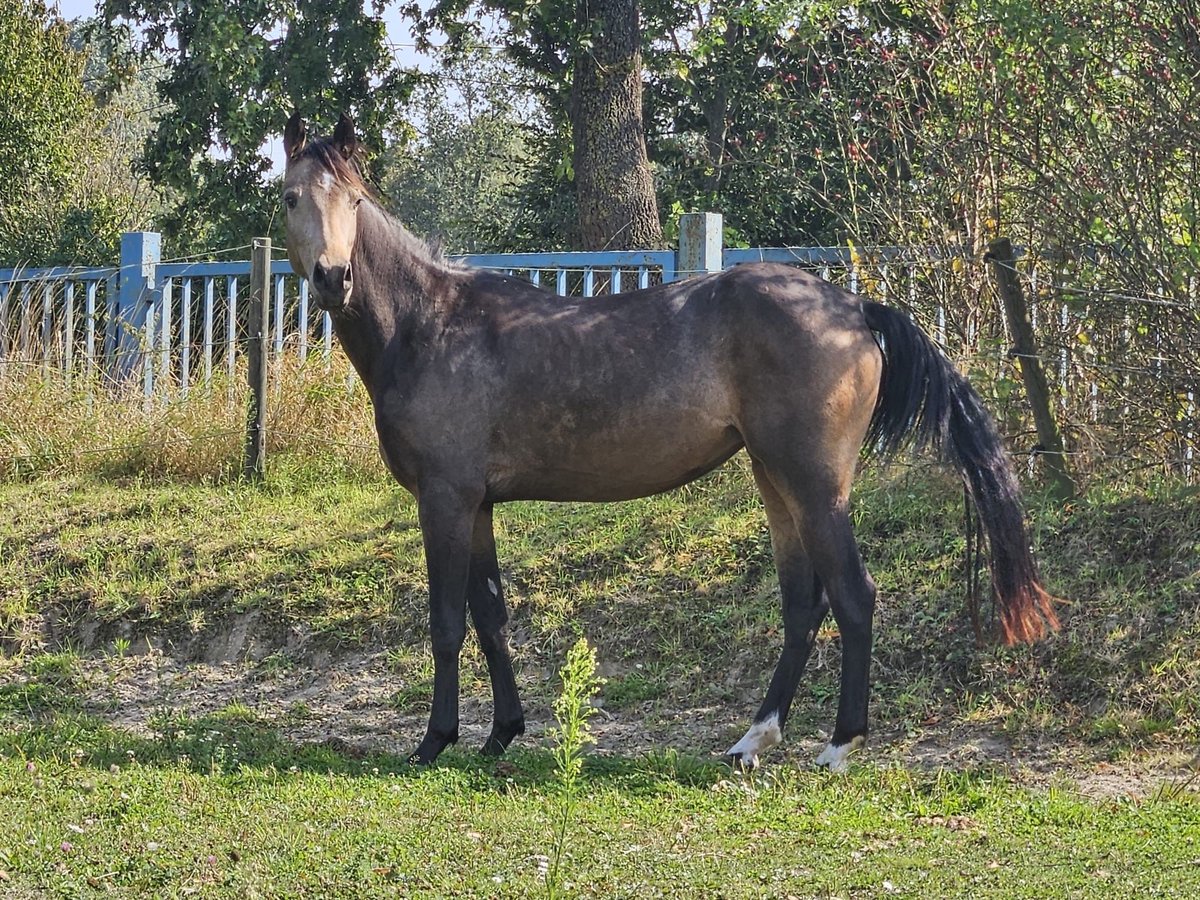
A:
678,594
676,591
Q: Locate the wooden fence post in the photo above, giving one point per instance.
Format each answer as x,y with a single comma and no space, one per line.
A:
256,357
1000,253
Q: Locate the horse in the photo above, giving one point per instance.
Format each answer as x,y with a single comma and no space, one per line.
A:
487,389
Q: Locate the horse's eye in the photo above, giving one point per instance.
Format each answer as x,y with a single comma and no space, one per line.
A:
290,201
357,200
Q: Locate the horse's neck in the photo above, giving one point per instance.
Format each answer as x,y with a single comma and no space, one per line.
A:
391,303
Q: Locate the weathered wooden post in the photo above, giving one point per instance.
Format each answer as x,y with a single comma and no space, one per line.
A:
1000,253
256,357
700,244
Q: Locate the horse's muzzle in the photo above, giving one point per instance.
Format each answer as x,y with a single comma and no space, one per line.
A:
332,286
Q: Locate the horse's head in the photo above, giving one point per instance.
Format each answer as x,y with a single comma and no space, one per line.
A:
321,193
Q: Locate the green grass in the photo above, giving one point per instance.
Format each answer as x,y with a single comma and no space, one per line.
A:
677,594
222,807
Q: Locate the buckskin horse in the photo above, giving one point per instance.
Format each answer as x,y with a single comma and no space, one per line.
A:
487,389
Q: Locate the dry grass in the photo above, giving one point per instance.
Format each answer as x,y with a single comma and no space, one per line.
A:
317,412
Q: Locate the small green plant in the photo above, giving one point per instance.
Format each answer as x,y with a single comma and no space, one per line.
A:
572,709
275,665
55,668
627,691
120,647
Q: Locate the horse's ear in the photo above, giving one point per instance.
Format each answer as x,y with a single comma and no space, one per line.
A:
295,136
344,138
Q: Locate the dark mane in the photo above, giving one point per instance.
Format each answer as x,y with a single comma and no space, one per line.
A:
387,236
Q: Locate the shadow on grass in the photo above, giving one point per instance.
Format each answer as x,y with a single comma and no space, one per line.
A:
52,730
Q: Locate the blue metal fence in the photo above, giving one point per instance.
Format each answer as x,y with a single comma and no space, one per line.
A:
171,325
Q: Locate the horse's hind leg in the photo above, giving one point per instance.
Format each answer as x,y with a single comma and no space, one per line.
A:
804,606
818,500
827,535
485,598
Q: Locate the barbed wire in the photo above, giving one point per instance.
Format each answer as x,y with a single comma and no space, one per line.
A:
1148,299
39,275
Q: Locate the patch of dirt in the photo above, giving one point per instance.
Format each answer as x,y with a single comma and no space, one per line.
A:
347,699
1044,762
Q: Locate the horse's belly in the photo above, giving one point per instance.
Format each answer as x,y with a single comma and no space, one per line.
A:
613,467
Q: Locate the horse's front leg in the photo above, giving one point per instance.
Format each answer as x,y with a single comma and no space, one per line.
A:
447,513
485,598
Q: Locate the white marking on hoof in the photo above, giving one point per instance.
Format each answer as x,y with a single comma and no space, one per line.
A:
493,588
761,737
835,757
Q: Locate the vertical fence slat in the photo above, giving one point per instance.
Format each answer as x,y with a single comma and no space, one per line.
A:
209,298
589,281
257,326
302,319
89,335
112,291
231,294
560,282
5,290
23,324
164,332
148,356
326,335
185,336
615,286
69,330
535,277
278,315
232,329
643,277
47,331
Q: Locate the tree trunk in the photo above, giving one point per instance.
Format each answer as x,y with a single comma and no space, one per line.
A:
617,206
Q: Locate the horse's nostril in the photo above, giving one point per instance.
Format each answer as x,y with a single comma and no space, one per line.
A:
318,274
347,277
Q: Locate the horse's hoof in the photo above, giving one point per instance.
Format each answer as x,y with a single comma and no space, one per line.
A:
501,737
429,750
493,746
742,762
836,757
761,737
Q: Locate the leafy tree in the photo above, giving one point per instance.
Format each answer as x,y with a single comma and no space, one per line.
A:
234,70
47,114
736,125
583,60
618,208
465,175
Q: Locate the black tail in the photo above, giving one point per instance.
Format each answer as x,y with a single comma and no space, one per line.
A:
925,401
